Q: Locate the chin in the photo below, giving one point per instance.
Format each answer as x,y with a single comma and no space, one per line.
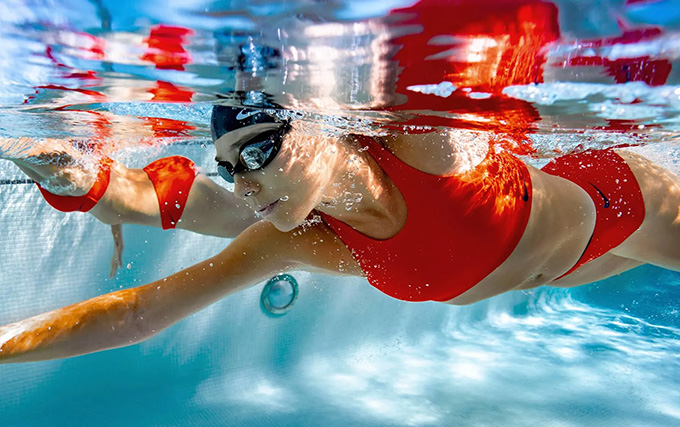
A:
283,226
287,224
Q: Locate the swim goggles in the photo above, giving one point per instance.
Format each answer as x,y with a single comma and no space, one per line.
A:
254,154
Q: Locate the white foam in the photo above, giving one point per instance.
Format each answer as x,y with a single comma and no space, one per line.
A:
550,93
443,89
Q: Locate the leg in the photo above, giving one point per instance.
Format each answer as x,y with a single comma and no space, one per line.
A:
607,265
54,164
657,241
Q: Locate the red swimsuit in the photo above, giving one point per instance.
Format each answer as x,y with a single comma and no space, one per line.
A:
608,180
458,230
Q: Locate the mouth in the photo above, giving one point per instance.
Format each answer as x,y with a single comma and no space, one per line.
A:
267,209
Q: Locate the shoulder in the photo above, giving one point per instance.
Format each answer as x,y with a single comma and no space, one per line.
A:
437,152
311,247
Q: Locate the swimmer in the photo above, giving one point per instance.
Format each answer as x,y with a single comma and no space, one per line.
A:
168,193
421,217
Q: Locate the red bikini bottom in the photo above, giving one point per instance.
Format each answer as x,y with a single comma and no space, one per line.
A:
172,178
86,202
610,182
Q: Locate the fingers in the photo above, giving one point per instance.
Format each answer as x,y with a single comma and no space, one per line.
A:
118,245
115,265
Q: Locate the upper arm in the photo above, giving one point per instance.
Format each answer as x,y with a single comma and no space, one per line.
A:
318,248
209,209
314,248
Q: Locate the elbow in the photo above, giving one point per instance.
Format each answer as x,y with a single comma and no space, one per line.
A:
113,321
137,326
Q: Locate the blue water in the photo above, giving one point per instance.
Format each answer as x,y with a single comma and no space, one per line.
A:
599,355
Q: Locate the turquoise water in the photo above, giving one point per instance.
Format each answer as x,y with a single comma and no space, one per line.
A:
603,354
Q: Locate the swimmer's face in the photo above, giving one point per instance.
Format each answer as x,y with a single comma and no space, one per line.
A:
287,189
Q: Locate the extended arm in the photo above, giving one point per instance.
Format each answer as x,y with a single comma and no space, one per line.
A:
132,315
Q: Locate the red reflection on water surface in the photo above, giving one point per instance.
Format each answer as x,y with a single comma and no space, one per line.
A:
166,47
481,50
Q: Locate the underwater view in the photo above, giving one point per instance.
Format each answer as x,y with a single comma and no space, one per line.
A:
104,103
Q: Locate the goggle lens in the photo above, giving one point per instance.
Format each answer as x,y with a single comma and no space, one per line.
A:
255,154
253,157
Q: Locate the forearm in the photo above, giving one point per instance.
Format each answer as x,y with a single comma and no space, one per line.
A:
132,315
104,322
109,321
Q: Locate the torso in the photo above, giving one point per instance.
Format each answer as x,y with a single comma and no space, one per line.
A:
557,230
442,250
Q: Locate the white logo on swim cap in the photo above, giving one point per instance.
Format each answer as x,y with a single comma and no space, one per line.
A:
244,114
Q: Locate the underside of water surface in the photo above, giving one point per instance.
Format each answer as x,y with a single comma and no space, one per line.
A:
137,81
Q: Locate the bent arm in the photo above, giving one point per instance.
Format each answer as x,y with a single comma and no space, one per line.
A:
132,315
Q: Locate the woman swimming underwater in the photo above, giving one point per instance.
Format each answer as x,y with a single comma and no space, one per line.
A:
422,217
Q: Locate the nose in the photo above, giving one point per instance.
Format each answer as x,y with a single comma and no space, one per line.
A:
244,188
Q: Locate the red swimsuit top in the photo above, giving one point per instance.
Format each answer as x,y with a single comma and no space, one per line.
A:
458,230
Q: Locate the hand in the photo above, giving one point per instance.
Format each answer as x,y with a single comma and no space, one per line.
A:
117,258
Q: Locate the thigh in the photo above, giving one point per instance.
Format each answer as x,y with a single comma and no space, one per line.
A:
607,265
657,241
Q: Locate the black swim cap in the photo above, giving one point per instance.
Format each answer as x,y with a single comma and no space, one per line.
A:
226,119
